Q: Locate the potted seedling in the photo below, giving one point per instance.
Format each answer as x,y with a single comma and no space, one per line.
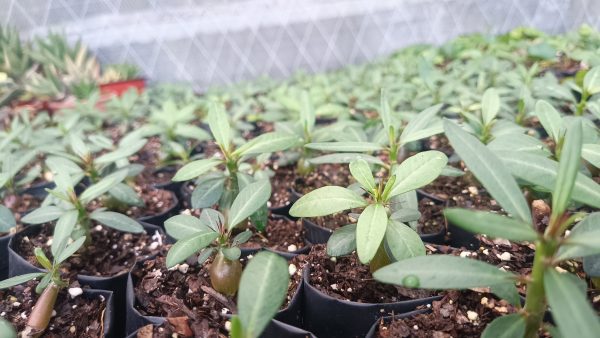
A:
562,292
118,79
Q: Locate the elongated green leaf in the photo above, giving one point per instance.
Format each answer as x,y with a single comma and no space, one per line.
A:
583,239
103,186
490,224
7,330
7,283
121,152
508,326
345,146
550,119
406,215
268,143
41,257
518,143
58,164
361,171
490,105
263,288
489,170
212,219
571,311
117,221
125,194
342,241
63,229
370,230
69,250
218,121
232,253
420,126
442,272
7,220
43,215
385,112
191,131
418,170
184,226
591,81
195,169
591,153
307,112
250,199
207,193
184,248
402,242
345,158
567,169
325,201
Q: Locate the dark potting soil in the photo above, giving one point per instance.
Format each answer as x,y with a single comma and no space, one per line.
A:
156,201
20,204
457,314
440,143
345,278
432,219
281,234
78,317
111,253
334,221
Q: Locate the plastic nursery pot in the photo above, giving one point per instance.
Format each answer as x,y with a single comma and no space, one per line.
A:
117,284
159,219
374,328
326,316
39,190
170,185
120,87
4,240
109,312
290,254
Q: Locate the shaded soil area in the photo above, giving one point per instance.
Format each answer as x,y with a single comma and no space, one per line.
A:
281,234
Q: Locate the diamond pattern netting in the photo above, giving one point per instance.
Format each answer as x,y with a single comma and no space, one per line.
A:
212,42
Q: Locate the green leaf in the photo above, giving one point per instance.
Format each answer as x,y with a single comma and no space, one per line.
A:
43,215
326,201
40,256
62,165
205,255
570,310
125,194
591,153
117,221
406,215
191,131
121,152
195,169
345,158
342,241
583,239
252,197
242,237
260,218
184,248
370,230
63,229
103,186
307,112
508,326
422,125
490,105
361,171
489,170
418,170
591,81
440,272
568,168
402,242
550,119
184,226
263,288
490,224
518,143
385,112
218,121
207,193
268,143
236,328
17,280
78,146
7,220
232,253
212,219
7,330
345,146
69,250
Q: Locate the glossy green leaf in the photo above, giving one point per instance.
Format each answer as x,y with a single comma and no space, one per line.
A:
326,201
212,219
17,280
591,153
489,170
184,248
40,256
518,143
195,169
591,81
63,229
104,185
205,255
385,112
361,171
370,231
417,171
550,119
406,215
268,143
402,242
242,237
342,241
117,221
232,253
509,326
344,146
125,194
69,250
568,168
571,311
43,215
184,226
583,239
263,288
121,152
250,199
442,272
423,125
207,193
7,220
490,224
218,121
490,105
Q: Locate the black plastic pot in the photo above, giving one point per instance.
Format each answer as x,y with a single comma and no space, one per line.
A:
4,256
117,284
109,312
39,190
373,331
171,186
326,316
159,219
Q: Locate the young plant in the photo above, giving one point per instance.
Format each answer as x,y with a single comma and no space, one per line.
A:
379,236
119,72
12,177
7,221
263,288
48,287
587,88
212,233
563,292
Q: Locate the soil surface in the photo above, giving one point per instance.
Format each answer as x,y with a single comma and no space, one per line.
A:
432,219
281,234
78,317
345,278
21,204
332,222
156,201
440,143
457,314
110,253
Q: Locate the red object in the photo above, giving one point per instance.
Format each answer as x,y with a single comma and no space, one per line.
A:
119,88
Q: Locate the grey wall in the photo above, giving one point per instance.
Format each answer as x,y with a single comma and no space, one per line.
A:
211,42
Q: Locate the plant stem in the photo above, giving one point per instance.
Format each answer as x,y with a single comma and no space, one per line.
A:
582,103
535,303
42,312
380,259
